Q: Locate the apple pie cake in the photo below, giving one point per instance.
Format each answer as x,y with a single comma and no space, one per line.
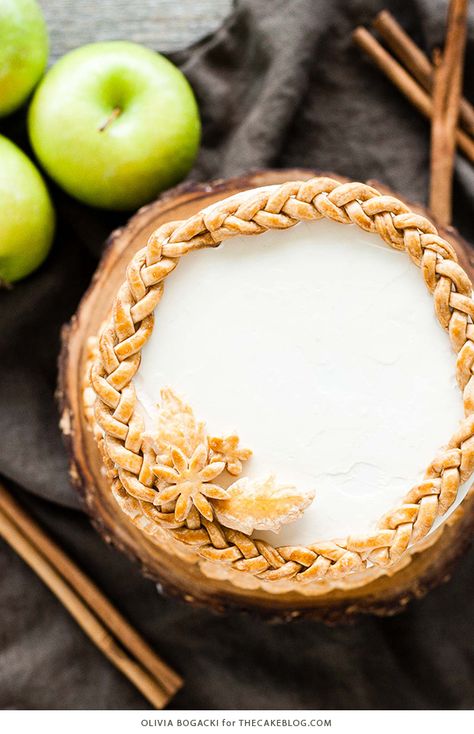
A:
295,409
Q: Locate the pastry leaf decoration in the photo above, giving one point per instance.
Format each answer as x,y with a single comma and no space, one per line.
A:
253,504
176,427
188,464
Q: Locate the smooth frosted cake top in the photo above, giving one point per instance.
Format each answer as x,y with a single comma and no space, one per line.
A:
314,344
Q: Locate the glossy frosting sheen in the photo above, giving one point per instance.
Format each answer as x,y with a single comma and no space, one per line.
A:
319,346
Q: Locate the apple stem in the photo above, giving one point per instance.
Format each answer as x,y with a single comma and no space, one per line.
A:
113,116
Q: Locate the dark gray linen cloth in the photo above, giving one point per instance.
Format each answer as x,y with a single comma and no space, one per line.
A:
280,84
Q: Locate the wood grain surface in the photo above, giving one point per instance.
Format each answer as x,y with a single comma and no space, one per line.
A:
425,566
165,25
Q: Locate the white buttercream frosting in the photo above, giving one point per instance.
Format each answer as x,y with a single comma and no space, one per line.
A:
319,346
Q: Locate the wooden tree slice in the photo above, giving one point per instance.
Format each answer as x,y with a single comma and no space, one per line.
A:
429,564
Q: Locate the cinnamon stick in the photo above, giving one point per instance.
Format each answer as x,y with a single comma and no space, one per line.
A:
405,83
416,61
87,604
447,85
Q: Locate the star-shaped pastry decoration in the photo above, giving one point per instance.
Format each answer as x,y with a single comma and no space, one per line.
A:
228,450
187,461
189,482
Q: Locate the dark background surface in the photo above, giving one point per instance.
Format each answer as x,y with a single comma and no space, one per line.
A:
279,84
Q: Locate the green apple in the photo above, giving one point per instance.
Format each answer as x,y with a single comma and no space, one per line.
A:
26,214
23,51
114,124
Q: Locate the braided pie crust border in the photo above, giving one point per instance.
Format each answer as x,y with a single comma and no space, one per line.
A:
119,426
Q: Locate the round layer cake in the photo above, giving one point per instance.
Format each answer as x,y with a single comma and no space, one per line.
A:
294,419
